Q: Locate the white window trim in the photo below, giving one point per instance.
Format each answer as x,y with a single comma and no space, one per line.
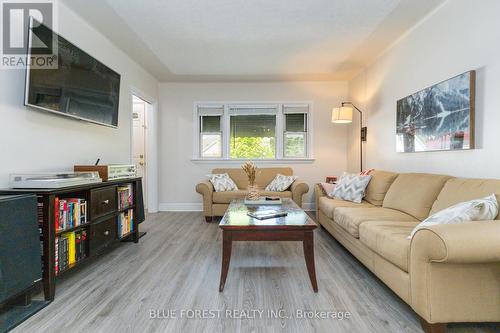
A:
279,132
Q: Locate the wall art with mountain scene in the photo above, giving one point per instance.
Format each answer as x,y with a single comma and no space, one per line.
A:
440,117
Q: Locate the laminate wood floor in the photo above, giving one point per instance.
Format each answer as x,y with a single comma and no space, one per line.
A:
176,268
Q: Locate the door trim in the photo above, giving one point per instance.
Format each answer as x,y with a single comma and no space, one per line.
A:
151,146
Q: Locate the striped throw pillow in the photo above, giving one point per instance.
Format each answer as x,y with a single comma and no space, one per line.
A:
351,187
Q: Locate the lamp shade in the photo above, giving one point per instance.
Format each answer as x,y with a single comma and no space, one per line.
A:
342,115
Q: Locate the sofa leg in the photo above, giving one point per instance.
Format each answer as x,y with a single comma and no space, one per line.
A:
208,219
432,328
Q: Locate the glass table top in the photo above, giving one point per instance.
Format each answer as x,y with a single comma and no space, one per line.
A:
236,215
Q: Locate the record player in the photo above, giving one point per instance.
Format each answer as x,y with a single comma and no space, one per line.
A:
53,179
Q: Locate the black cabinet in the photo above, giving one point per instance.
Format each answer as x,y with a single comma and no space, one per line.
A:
101,226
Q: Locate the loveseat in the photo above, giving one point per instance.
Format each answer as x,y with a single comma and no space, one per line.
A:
446,273
216,203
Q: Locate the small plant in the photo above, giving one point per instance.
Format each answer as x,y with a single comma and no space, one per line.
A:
251,170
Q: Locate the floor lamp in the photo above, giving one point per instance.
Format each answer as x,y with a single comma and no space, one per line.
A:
343,115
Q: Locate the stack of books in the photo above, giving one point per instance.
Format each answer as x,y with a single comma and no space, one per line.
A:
70,248
70,213
125,223
125,196
267,214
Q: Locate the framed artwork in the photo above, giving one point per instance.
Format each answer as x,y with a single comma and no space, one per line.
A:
440,117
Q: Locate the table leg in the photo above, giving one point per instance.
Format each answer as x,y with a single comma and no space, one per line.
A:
308,244
227,243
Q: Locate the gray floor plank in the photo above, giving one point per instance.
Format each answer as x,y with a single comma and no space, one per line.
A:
176,266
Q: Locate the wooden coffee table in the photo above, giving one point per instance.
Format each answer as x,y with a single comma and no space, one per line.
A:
236,226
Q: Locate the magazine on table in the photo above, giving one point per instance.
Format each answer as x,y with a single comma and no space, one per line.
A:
267,214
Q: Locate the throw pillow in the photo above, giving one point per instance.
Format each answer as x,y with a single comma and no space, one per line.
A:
328,188
366,172
280,183
474,210
351,187
222,182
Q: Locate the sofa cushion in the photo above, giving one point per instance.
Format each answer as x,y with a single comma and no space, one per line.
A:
378,186
458,190
263,177
227,197
350,218
328,205
389,240
414,193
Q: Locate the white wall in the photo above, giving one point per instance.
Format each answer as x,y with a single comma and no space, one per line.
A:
179,175
33,141
459,36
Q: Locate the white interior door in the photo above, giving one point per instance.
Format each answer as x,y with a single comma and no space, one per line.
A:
139,136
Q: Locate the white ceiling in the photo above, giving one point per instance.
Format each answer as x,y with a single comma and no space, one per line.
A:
242,40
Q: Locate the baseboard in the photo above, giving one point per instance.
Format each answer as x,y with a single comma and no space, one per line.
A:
181,207
198,207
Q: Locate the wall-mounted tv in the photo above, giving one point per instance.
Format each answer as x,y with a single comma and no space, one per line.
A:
81,87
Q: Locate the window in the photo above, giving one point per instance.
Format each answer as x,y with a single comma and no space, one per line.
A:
210,131
253,131
295,134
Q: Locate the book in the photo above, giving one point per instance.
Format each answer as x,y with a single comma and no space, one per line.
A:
70,213
267,214
125,223
125,196
78,246
71,248
56,213
56,259
62,254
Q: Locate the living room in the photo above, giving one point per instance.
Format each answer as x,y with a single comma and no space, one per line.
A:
361,129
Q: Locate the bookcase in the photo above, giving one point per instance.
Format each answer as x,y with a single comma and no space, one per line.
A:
80,222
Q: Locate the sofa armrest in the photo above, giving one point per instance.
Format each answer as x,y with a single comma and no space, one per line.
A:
206,189
452,270
299,188
474,242
319,192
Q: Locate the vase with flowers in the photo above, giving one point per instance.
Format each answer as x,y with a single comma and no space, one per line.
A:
251,171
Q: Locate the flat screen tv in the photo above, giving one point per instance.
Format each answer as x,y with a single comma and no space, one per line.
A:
81,87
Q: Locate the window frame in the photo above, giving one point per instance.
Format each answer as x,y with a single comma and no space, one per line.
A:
279,130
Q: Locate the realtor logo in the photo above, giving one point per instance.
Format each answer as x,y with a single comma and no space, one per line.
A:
26,37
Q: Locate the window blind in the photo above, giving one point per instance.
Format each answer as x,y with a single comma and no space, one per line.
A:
210,124
296,122
252,109
253,126
210,110
295,108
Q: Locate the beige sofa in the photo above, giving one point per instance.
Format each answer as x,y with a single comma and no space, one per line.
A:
216,203
446,273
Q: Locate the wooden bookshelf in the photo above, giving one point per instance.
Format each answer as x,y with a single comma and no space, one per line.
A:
102,221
